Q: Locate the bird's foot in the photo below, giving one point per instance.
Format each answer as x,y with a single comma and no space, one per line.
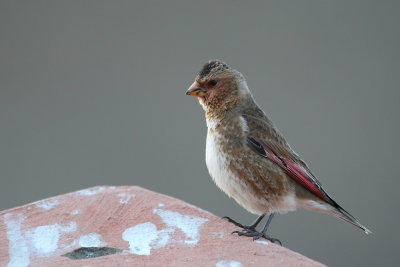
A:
256,235
245,227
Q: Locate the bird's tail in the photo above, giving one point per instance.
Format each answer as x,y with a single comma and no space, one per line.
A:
347,217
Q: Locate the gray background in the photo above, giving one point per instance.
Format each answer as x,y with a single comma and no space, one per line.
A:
92,93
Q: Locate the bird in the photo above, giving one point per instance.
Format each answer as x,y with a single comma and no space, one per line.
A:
249,159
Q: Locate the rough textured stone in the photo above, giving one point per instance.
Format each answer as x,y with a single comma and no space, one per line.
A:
128,226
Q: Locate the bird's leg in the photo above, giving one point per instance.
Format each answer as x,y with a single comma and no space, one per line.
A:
255,234
264,232
251,227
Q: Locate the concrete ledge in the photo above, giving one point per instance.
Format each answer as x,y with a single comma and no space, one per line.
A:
128,226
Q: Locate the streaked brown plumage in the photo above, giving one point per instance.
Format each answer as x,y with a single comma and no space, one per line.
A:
248,158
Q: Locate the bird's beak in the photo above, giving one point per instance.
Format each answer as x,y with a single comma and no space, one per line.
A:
196,90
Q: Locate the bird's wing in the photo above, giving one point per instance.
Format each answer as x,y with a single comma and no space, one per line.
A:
301,175
265,140
284,160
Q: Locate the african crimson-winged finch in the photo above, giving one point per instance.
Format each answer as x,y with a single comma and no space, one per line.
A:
249,159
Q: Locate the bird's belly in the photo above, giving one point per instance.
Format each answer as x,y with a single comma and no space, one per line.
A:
218,164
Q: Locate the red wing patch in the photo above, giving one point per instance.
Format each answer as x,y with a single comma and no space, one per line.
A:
301,175
296,171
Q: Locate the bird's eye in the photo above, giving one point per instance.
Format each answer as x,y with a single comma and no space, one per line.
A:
212,83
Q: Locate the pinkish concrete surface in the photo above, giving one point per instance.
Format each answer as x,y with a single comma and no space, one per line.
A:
135,227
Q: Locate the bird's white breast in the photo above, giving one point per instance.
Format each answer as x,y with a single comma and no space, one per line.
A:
217,163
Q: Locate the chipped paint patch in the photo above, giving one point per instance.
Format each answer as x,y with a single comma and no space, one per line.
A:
18,248
47,204
91,252
161,204
189,225
143,237
261,242
125,197
91,240
228,264
90,192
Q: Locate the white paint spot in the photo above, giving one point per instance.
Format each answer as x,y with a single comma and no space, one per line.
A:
42,239
76,212
18,249
124,197
228,264
143,237
47,204
91,240
190,225
111,187
45,239
262,242
90,192
161,204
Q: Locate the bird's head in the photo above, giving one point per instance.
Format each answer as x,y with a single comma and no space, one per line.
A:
218,87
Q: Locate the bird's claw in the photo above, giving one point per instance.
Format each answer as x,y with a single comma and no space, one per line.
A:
237,224
257,235
251,230
273,240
